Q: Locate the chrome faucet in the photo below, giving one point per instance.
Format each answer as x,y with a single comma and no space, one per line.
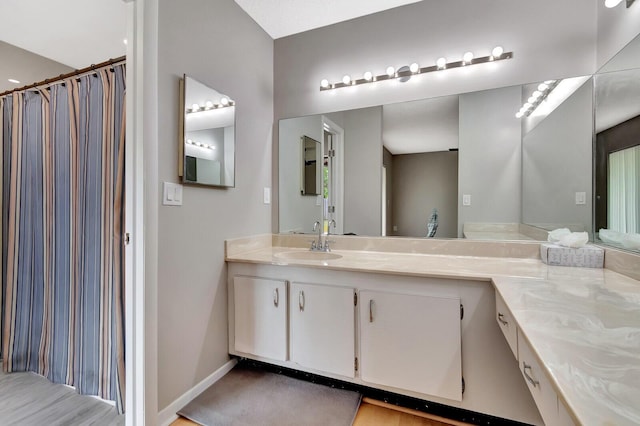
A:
326,240
317,245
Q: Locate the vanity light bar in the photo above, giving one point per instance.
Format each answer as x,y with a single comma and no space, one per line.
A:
201,145
406,72
537,97
224,102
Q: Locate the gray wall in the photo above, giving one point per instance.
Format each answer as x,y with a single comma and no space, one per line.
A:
298,212
616,27
489,167
363,177
556,163
26,66
422,182
218,44
545,48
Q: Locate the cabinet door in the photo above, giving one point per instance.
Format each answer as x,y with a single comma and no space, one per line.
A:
411,342
323,328
260,317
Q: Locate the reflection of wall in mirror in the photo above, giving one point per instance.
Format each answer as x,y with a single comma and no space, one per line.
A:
363,171
557,163
489,161
423,182
297,212
209,156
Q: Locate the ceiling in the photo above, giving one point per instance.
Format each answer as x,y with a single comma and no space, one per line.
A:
76,33
280,18
79,33
427,125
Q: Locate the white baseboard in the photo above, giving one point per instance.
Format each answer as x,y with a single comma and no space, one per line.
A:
168,415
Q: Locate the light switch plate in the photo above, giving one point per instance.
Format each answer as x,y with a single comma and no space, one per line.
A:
172,194
581,198
466,199
267,196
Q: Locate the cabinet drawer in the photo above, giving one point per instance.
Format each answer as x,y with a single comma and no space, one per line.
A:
543,394
507,324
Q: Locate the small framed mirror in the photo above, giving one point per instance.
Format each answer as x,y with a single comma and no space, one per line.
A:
207,129
311,166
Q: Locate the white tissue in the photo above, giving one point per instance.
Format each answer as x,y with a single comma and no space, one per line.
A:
574,240
564,237
557,234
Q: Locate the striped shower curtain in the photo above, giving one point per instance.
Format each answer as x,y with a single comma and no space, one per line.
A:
62,222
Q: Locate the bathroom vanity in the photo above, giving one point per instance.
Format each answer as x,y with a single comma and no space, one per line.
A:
392,314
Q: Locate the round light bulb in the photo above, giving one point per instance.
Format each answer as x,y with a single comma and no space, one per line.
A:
531,99
549,81
543,86
224,101
391,71
368,76
467,57
497,51
414,67
189,141
519,114
209,104
195,107
441,63
537,94
346,79
527,105
324,83
611,3
212,147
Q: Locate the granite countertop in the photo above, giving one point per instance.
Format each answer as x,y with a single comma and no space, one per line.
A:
583,323
586,332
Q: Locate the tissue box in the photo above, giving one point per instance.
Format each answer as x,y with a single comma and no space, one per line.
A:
584,257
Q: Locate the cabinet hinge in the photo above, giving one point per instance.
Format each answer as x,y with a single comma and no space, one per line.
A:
332,153
331,209
355,364
127,238
461,311
355,299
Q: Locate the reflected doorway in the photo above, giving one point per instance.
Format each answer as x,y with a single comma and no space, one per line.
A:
332,177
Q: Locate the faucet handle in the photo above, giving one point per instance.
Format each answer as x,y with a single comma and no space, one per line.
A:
326,245
331,222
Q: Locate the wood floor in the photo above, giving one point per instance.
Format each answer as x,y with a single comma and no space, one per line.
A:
376,413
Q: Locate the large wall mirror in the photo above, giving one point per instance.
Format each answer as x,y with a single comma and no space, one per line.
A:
467,158
207,130
487,173
617,150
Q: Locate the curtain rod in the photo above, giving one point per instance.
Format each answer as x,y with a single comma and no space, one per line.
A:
68,75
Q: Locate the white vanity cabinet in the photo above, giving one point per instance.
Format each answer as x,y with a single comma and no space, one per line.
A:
260,317
405,332
322,324
411,342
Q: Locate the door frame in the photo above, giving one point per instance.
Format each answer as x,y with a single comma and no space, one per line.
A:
337,181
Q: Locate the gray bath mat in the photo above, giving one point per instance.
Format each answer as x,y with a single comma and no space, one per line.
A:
254,397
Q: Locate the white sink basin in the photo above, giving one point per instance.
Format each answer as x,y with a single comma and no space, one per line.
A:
308,255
